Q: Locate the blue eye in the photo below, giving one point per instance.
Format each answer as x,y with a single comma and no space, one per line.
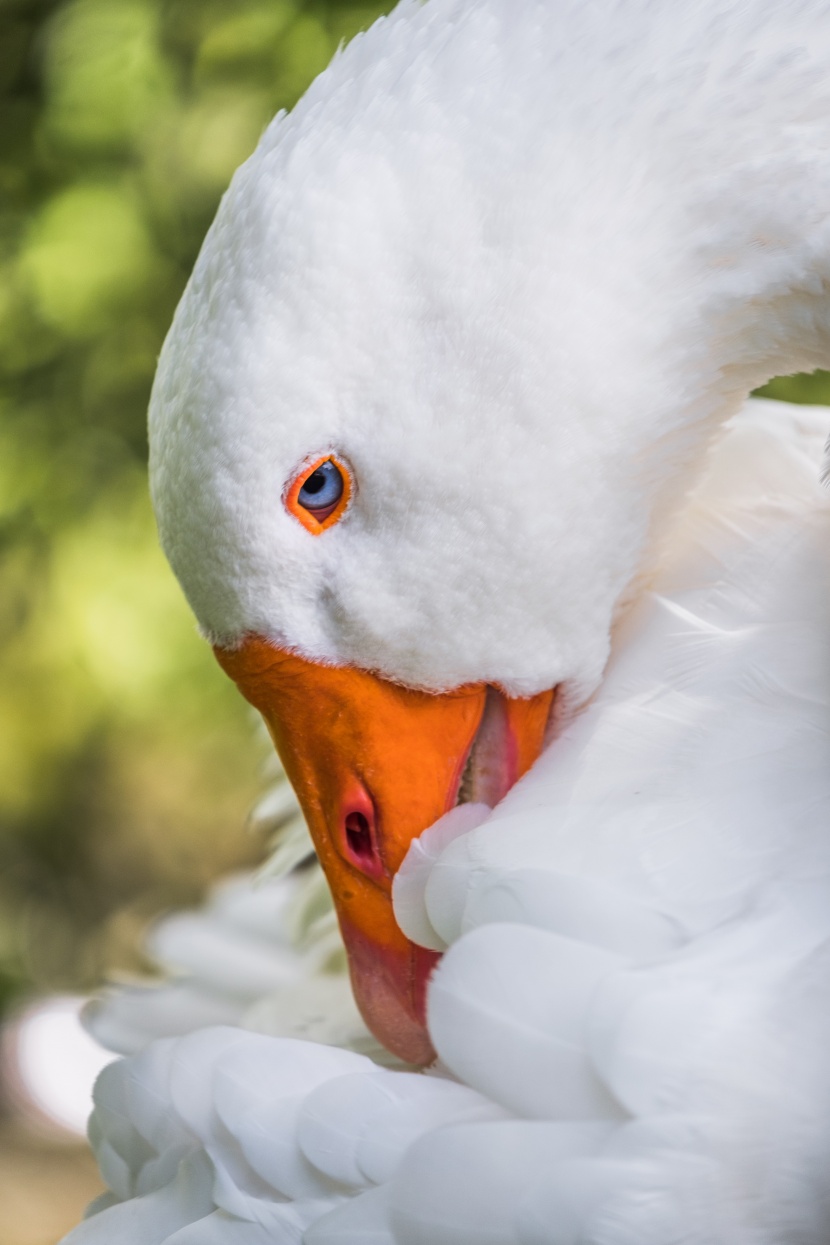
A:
323,489
319,494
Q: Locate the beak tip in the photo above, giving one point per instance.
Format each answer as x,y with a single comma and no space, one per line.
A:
390,984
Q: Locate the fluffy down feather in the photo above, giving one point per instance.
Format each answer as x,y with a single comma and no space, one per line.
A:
264,953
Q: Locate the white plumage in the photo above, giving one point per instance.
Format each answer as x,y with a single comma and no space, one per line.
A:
631,1018
512,264
515,261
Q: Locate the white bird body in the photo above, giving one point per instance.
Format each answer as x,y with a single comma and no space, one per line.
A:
632,1016
504,273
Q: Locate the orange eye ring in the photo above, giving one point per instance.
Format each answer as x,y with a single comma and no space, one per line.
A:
329,514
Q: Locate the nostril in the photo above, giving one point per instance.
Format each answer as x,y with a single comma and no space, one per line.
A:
359,837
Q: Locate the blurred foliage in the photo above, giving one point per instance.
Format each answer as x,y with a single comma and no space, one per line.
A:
807,389
127,761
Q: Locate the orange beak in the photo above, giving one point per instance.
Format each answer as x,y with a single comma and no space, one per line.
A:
373,764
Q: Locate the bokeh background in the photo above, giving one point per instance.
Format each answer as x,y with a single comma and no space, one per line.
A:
127,761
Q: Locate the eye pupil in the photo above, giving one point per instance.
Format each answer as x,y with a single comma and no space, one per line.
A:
323,489
315,482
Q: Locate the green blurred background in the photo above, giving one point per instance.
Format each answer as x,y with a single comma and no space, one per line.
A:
127,761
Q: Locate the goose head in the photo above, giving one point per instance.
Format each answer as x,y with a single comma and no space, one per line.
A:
438,377
394,543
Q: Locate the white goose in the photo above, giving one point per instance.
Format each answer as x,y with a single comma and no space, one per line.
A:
454,352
